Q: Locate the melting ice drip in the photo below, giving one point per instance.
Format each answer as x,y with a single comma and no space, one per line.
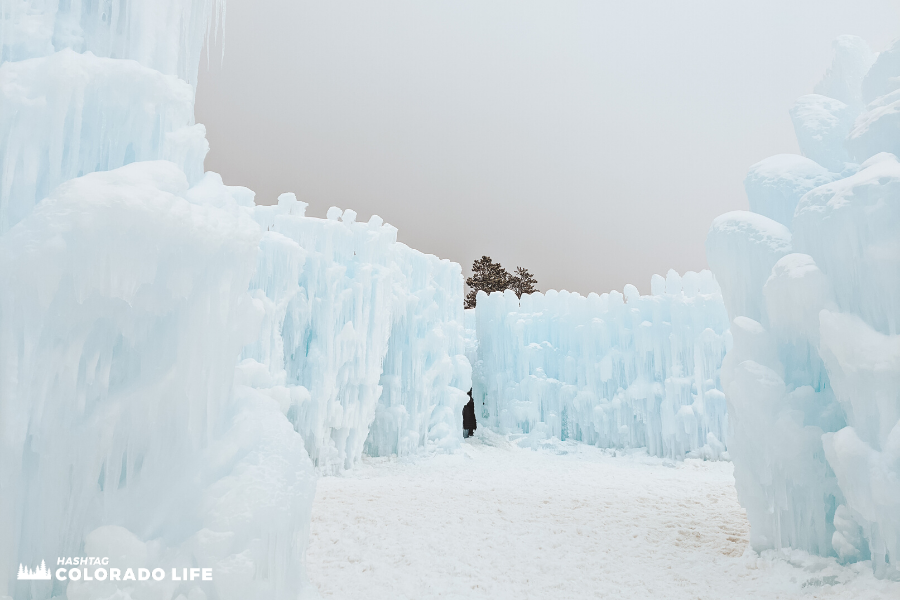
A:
41,573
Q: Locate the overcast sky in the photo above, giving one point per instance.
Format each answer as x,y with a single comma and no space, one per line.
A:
590,142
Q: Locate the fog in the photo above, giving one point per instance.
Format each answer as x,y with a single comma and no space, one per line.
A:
590,142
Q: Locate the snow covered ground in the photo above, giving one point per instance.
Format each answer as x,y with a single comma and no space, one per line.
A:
565,521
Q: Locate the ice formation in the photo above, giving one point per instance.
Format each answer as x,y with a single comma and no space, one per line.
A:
613,370
68,114
163,35
813,377
363,335
124,305
175,362
91,86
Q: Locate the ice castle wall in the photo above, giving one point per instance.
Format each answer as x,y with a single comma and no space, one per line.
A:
813,377
363,335
614,371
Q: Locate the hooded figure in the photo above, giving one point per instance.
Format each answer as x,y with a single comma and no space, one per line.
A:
468,414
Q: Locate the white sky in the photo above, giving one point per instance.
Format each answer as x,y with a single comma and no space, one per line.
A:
591,142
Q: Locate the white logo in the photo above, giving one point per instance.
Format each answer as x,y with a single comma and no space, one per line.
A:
41,573
79,571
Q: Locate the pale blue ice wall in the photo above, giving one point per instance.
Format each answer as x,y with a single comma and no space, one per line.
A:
363,336
811,279
614,371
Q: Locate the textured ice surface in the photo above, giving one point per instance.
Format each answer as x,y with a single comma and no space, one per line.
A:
851,62
821,124
882,77
124,305
358,328
613,370
813,377
164,35
742,247
775,185
877,129
70,106
68,114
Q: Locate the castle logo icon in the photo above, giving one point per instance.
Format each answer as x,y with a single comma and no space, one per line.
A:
41,573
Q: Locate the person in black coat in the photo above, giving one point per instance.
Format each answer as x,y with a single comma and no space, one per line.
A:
468,414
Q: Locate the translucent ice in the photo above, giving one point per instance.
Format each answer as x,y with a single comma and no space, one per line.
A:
850,228
813,376
363,333
821,124
881,77
163,35
124,305
876,129
775,184
742,247
68,114
641,373
852,60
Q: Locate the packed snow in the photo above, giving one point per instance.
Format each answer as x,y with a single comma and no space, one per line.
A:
813,377
588,523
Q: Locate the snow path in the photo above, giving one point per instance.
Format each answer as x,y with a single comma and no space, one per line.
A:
565,521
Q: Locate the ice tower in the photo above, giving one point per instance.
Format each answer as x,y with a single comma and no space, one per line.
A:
811,279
